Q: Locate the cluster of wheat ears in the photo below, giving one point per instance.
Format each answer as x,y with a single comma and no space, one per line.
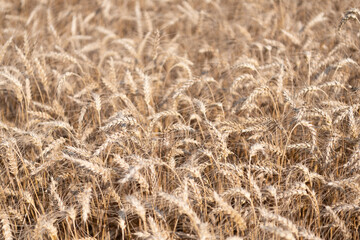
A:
170,119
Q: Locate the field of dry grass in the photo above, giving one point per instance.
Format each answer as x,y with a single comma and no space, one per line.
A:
170,119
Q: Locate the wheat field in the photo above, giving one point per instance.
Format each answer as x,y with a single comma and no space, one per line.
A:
170,119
